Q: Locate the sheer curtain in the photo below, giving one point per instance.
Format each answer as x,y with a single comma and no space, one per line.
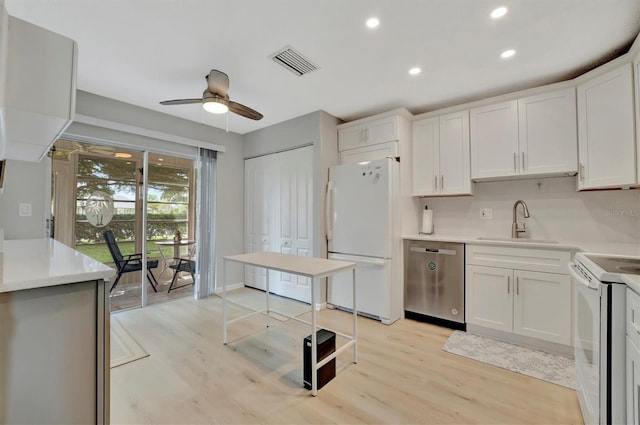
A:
205,226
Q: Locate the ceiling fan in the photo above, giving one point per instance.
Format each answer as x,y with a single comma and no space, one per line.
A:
215,98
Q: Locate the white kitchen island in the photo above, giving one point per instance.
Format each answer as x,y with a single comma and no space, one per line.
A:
54,335
311,267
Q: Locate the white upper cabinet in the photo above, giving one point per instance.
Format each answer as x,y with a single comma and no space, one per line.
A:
357,135
547,133
37,82
606,130
494,140
441,155
534,135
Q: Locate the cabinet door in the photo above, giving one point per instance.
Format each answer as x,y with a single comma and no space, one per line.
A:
455,178
548,133
426,134
494,140
542,306
380,131
633,383
488,297
606,130
350,137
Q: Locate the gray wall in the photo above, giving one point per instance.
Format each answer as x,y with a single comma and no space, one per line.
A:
301,131
25,182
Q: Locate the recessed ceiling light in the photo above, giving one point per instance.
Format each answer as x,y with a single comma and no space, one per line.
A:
373,22
122,155
160,159
507,53
415,71
498,12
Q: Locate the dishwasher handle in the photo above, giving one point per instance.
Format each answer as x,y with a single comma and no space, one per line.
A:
432,250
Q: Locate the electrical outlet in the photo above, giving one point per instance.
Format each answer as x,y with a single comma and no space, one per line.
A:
486,213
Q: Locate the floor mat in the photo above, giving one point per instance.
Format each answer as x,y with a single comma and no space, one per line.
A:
124,348
553,368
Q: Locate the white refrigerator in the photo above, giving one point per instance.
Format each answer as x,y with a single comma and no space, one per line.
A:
363,227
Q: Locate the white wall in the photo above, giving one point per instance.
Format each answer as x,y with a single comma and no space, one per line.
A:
590,219
25,182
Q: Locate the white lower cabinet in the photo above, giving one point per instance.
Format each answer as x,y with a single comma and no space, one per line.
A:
488,297
526,303
530,303
633,357
633,382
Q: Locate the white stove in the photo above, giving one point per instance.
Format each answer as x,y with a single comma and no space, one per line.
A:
599,334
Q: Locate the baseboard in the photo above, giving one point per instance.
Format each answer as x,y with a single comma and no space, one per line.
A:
536,344
230,287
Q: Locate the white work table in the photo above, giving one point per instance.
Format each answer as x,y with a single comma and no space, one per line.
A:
312,267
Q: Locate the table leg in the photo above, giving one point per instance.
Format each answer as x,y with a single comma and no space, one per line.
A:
267,295
314,342
355,320
224,301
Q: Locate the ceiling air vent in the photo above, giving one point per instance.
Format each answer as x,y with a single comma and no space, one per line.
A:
293,61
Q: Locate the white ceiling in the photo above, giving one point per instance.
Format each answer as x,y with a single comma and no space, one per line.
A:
145,51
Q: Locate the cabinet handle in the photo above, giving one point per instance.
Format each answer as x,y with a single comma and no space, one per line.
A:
508,284
517,286
435,182
515,159
442,182
581,171
523,161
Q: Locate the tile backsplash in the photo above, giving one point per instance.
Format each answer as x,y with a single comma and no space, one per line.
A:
557,211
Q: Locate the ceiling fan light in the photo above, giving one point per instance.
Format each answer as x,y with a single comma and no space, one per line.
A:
215,106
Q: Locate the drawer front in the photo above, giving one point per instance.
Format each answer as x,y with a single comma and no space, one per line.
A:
537,260
633,316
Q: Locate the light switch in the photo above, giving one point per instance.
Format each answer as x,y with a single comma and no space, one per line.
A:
24,210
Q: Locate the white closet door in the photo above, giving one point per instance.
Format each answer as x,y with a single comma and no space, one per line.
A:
258,178
294,219
279,216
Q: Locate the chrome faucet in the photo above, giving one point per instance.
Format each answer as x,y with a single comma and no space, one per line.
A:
515,230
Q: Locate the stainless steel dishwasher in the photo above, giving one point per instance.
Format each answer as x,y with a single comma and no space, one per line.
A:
434,282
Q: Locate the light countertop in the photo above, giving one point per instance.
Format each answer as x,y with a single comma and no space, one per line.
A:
593,247
37,263
632,281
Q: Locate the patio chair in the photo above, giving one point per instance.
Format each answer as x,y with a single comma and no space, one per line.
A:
128,263
182,265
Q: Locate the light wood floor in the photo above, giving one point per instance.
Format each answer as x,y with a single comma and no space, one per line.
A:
402,375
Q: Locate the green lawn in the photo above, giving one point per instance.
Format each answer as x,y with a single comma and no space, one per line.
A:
100,252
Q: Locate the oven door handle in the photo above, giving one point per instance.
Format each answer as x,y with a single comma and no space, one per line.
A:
578,277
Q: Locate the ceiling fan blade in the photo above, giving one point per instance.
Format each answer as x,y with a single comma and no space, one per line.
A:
245,111
180,101
218,83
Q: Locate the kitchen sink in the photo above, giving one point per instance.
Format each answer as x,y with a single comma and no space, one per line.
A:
517,240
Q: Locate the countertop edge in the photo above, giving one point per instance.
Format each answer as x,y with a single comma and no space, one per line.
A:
476,241
632,281
40,263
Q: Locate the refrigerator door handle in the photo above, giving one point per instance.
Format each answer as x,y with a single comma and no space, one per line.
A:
356,259
328,211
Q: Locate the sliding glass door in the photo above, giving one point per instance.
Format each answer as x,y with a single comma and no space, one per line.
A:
143,201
